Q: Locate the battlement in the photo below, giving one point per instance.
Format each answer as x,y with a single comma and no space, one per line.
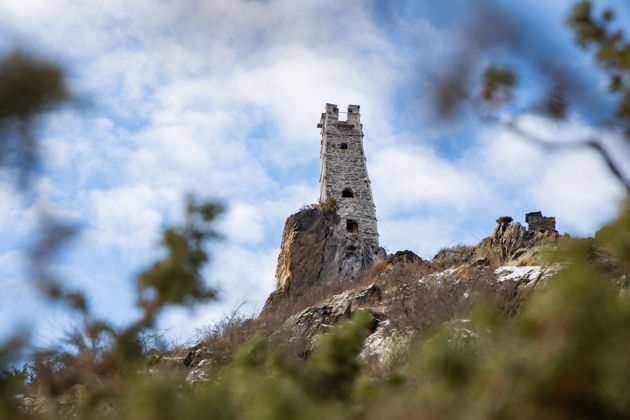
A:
332,117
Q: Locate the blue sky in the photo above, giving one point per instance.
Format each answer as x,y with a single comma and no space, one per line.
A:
221,98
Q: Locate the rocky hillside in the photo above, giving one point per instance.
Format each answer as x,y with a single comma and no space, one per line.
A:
353,333
323,277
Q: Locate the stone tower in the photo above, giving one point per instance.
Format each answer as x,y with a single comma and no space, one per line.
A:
343,173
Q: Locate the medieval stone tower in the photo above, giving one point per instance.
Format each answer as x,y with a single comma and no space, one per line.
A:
343,173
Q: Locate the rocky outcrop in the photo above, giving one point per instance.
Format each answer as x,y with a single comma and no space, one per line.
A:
319,318
405,295
315,251
403,257
509,243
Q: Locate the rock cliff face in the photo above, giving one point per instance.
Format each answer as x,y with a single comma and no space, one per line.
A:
315,251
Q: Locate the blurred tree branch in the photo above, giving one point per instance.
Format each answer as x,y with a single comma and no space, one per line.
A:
94,349
505,41
29,87
594,144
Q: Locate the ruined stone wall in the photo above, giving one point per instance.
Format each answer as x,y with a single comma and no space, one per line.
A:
343,167
539,223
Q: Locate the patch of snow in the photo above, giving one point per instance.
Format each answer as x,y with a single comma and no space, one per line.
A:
528,273
438,276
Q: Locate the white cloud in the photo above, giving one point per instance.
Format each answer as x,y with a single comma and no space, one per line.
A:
424,235
10,205
572,184
408,178
579,191
244,224
128,217
11,265
425,202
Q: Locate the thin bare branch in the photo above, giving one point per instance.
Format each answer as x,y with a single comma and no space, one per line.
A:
588,143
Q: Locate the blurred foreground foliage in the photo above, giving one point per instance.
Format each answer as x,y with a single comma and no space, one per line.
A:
28,88
563,356
97,361
99,366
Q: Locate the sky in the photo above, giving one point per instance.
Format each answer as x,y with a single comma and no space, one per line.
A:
221,99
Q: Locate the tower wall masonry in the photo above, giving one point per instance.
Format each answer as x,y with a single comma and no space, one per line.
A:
343,168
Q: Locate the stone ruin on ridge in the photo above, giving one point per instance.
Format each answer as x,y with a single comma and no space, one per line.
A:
538,223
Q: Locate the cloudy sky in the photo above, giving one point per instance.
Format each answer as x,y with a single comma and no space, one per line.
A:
221,98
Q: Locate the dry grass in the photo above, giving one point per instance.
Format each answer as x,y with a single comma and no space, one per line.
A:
454,256
419,306
527,261
330,203
224,336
